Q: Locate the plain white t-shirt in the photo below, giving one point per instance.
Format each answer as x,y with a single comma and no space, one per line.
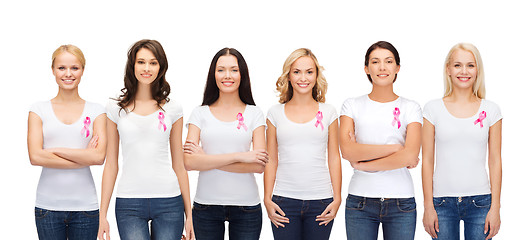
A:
217,187
66,189
302,171
377,123
147,165
461,148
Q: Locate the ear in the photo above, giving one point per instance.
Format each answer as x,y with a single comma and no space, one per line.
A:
397,69
366,70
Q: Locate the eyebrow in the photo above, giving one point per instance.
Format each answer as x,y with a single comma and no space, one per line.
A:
305,69
145,59
466,62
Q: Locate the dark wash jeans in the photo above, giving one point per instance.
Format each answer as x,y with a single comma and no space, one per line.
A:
396,215
62,225
245,222
302,214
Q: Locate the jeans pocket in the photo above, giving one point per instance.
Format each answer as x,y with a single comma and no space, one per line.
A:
199,207
41,213
91,214
355,202
438,201
406,204
325,202
251,209
482,201
276,199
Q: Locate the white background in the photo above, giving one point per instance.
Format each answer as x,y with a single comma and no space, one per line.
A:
265,32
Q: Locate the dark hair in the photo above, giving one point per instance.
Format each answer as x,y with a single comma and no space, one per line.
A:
212,92
383,45
159,88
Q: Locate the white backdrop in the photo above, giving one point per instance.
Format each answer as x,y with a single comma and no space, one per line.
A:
265,32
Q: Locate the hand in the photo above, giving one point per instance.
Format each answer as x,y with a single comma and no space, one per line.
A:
430,222
275,214
413,165
93,142
192,148
492,223
104,228
259,156
189,230
356,165
329,213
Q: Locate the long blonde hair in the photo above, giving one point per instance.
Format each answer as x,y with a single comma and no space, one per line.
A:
284,86
479,88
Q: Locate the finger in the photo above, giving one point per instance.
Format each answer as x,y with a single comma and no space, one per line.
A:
280,218
486,226
279,210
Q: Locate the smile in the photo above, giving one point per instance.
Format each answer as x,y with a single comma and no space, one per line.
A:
228,83
464,79
303,85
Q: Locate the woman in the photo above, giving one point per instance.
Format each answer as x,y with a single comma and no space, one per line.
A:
461,128
226,124
65,136
153,187
301,130
380,135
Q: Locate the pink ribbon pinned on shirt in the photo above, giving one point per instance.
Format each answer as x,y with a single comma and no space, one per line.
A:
86,128
161,118
319,117
396,119
482,115
240,119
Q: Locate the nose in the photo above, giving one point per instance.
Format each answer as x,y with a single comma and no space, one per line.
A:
68,72
382,65
464,69
147,67
228,74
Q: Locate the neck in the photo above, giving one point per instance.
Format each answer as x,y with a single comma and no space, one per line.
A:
143,92
228,99
463,95
383,93
301,99
67,96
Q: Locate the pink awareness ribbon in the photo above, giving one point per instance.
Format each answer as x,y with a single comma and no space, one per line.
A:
161,118
86,128
240,119
482,115
396,119
319,117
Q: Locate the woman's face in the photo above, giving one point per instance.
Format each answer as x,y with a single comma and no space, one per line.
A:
227,74
382,67
146,67
303,75
462,69
67,70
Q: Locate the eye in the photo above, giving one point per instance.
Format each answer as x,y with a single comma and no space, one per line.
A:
457,65
234,70
471,65
154,63
296,72
389,61
374,62
61,68
310,72
220,70
75,68
141,62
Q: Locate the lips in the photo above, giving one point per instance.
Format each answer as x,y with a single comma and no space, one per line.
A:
146,75
228,83
464,79
383,75
303,85
68,81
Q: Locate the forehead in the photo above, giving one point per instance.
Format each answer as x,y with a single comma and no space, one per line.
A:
381,53
303,62
66,58
145,54
227,61
460,55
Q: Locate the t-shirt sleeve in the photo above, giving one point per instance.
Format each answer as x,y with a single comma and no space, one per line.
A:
414,113
259,119
112,111
494,113
37,109
175,111
347,108
271,115
332,114
428,111
98,109
195,118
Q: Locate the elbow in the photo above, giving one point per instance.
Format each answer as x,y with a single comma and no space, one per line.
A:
260,169
187,163
348,156
34,160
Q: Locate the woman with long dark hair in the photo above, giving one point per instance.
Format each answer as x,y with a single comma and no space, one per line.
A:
226,125
153,186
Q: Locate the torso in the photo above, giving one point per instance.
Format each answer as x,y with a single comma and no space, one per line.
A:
68,112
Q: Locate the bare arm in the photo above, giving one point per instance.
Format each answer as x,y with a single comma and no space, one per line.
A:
259,143
355,152
88,156
181,173
111,169
430,219
495,171
37,155
406,157
195,159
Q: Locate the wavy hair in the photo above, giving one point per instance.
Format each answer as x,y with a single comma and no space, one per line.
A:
479,89
159,88
284,86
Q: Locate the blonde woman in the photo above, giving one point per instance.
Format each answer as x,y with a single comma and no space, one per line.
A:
65,136
459,130
301,194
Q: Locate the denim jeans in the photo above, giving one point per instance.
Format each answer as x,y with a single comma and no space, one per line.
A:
166,216
396,215
302,214
245,222
472,210
62,225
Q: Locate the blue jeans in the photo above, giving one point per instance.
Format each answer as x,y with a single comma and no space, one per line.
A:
245,222
302,214
472,210
62,225
363,216
166,216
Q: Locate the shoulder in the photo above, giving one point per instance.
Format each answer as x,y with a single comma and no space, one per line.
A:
253,110
96,107
275,108
355,100
173,106
490,105
39,107
410,103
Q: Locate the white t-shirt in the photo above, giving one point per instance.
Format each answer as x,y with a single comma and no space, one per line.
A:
461,148
380,124
217,187
66,189
302,171
147,165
